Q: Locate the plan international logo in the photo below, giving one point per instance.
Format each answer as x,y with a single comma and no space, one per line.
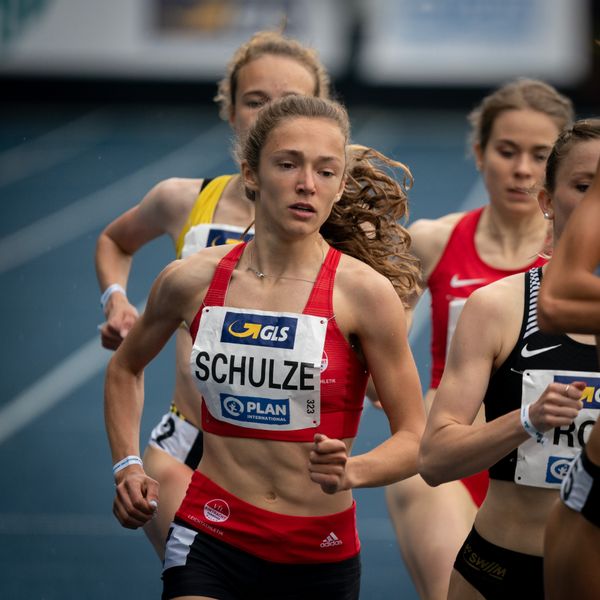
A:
259,330
268,411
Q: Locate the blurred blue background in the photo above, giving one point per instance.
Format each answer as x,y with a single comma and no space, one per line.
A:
102,100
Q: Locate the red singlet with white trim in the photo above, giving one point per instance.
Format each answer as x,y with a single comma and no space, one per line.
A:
459,272
343,378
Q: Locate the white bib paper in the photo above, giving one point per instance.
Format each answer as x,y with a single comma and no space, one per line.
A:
545,465
454,309
258,369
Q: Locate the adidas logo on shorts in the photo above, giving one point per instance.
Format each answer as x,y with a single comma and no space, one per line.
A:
331,540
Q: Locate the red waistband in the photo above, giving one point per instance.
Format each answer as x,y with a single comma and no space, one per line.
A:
270,536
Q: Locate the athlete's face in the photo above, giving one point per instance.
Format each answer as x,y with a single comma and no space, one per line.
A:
263,80
573,177
300,175
514,160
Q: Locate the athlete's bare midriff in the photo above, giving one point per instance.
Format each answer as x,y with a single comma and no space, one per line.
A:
521,511
269,474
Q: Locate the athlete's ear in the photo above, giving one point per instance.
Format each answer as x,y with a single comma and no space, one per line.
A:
545,202
478,154
341,189
249,180
231,119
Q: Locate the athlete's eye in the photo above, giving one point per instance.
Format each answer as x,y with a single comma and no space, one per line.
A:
256,103
506,153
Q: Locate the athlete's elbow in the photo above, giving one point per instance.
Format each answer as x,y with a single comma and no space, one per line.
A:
549,314
428,467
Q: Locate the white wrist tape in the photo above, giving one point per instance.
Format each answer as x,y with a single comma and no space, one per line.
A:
109,291
126,462
538,436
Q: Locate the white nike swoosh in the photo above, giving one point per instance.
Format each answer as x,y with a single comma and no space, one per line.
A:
457,282
529,353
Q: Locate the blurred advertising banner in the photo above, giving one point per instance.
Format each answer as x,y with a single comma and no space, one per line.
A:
474,42
158,39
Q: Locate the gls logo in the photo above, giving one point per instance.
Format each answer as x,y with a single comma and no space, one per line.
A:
259,330
590,395
219,237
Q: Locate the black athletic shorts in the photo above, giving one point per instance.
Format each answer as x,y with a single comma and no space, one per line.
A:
498,573
215,569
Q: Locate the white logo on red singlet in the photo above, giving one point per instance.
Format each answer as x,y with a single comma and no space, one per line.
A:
456,282
331,540
217,510
324,361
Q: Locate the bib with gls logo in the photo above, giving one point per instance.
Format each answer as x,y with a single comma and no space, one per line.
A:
259,369
546,464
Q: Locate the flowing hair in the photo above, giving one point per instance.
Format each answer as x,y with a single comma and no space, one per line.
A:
368,221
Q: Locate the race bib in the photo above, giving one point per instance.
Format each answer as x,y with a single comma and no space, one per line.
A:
207,234
454,309
258,369
546,464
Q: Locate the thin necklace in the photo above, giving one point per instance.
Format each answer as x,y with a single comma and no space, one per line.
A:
262,275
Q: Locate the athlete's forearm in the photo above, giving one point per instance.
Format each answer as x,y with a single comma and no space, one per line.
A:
113,264
455,451
393,460
123,404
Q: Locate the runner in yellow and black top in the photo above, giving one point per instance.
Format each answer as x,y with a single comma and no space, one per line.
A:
267,67
200,229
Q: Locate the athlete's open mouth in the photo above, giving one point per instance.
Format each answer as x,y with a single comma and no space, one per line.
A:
303,207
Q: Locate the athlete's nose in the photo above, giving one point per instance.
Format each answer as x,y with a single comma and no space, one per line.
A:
523,166
306,183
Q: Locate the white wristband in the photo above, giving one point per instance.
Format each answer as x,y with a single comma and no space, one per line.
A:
538,436
126,462
109,291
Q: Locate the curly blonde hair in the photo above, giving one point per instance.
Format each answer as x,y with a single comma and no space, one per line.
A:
276,44
367,222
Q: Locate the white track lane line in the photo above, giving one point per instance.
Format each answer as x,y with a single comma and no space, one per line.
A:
102,206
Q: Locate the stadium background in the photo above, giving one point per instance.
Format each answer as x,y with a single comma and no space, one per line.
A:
100,100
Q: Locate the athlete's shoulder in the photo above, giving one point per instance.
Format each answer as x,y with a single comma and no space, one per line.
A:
169,202
195,271
429,238
500,297
361,281
433,226
177,190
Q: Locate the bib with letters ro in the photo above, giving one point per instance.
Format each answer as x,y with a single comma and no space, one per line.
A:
546,464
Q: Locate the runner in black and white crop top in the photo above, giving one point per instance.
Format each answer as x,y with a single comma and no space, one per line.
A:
538,359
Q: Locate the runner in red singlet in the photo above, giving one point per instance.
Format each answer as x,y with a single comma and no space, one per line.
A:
513,130
286,329
196,213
